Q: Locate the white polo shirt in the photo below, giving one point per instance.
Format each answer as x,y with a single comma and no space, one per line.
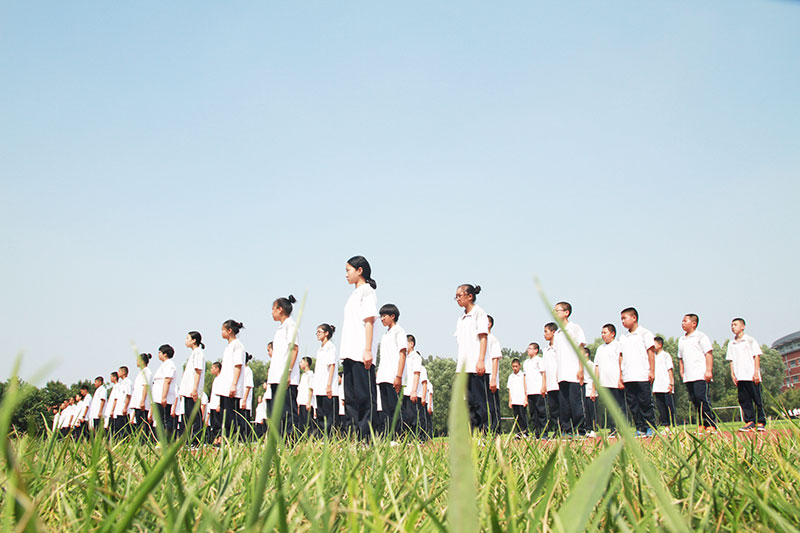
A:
196,362
606,361
692,350
326,356
232,357
143,378
742,354
261,412
568,361
167,370
111,397
304,388
423,378
635,362
493,351
533,367
392,342
468,327
123,391
413,365
216,392
663,366
516,388
281,355
66,416
83,408
99,395
430,395
550,361
361,305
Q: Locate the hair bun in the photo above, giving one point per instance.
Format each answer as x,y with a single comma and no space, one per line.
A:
477,289
241,325
333,328
291,299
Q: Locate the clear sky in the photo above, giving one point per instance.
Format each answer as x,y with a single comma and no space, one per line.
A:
165,166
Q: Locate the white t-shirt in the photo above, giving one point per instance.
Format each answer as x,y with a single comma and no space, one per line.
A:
392,342
196,362
248,383
97,398
516,388
217,390
231,358
692,350
261,412
587,380
326,356
361,305
635,361
568,361
304,387
124,390
167,370
180,407
493,351
606,362
66,416
111,397
663,366
83,408
468,328
413,365
743,355
423,378
281,355
430,395
550,361
143,378
533,367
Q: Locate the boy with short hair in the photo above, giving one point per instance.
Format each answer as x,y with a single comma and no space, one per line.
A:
570,372
389,376
518,397
535,385
664,385
608,367
411,381
696,360
638,371
744,353
550,361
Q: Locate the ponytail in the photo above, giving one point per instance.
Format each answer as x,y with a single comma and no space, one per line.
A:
234,326
473,290
359,261
285,304
197,338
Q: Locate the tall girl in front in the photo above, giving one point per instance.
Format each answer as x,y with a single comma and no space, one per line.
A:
326,381
281,356
472,330
192,382
360,312
231,376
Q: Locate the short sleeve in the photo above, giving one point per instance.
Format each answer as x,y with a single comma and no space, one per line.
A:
670,366
508,383
756,347
198,361
482,323
729,352
238,355
680,349
368,305
649,340
705,344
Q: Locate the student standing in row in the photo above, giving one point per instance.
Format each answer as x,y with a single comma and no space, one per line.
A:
284,352
358,324
550,361
570,372
472,332
744,353
98,403
164,389
518,397
141,385
113,379
83,411
411,380
389,377
536,388
231,376
696,359
215,404
608,367
638,371
304,396
191,387
493,354
326,380
261,417
246,402
120,414
590,397
664,385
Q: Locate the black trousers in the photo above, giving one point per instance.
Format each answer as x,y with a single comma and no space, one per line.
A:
289,416
701,400
229,409
119,426
429,423
570,399
553,412
389,401
97,425
665,402
639,397
537,414
520,418
749,396
260,429
590,413
494,411
619,397
422,420
361,400
303,424
167,421
478,401
327,409
215,423
196,427
408,414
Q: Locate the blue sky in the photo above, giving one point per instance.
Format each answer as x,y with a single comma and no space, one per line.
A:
164,167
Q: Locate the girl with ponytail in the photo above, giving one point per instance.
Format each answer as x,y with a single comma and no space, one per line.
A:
142,383
231,376
282,355
191,387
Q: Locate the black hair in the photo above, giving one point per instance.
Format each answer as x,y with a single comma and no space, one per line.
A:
285,304
217,364
329,329
612,328
538,349
739,319
473,290
115,375
247,357
390,309
630,311
167,350
197,338
551,326
515,360
411,338
100,379
269,344
694,318
658,339
308,361
567,307
125,368
145,357
587,351
85,387
232,325
359,261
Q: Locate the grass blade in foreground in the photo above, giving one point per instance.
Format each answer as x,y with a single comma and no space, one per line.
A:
462,515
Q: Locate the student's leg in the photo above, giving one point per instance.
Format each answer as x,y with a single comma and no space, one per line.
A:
670,401
695,404
477,401
553,406
702,393
363,401
577,397
494,411
532,413
757,399
591,414
661,406
294,417
541,414
632,393
388,403
188,407
646,405
745,394
564,407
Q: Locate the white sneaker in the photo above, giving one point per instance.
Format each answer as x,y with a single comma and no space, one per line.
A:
591,434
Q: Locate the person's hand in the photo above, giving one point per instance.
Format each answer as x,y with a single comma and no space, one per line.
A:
756,378
125,412
367,359
232,392
621,384
544,391
651,376
413,397
671,388
194,395
480,368
141,407
398,382
735,381
329,392
707,376
526,403
493,385
430,409
580,377
509,405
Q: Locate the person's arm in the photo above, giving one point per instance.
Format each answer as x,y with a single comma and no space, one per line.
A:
196,386
102,405
596,373
733,375
165,390
651,358
424,399
480,368
525,391
369,325
671,381
329,388
144,394
414,387
127,403
544,383
621,384
495,372
757,373
243,403
295,351
401,365
680,367
237,372
709,375
113,408
580,366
